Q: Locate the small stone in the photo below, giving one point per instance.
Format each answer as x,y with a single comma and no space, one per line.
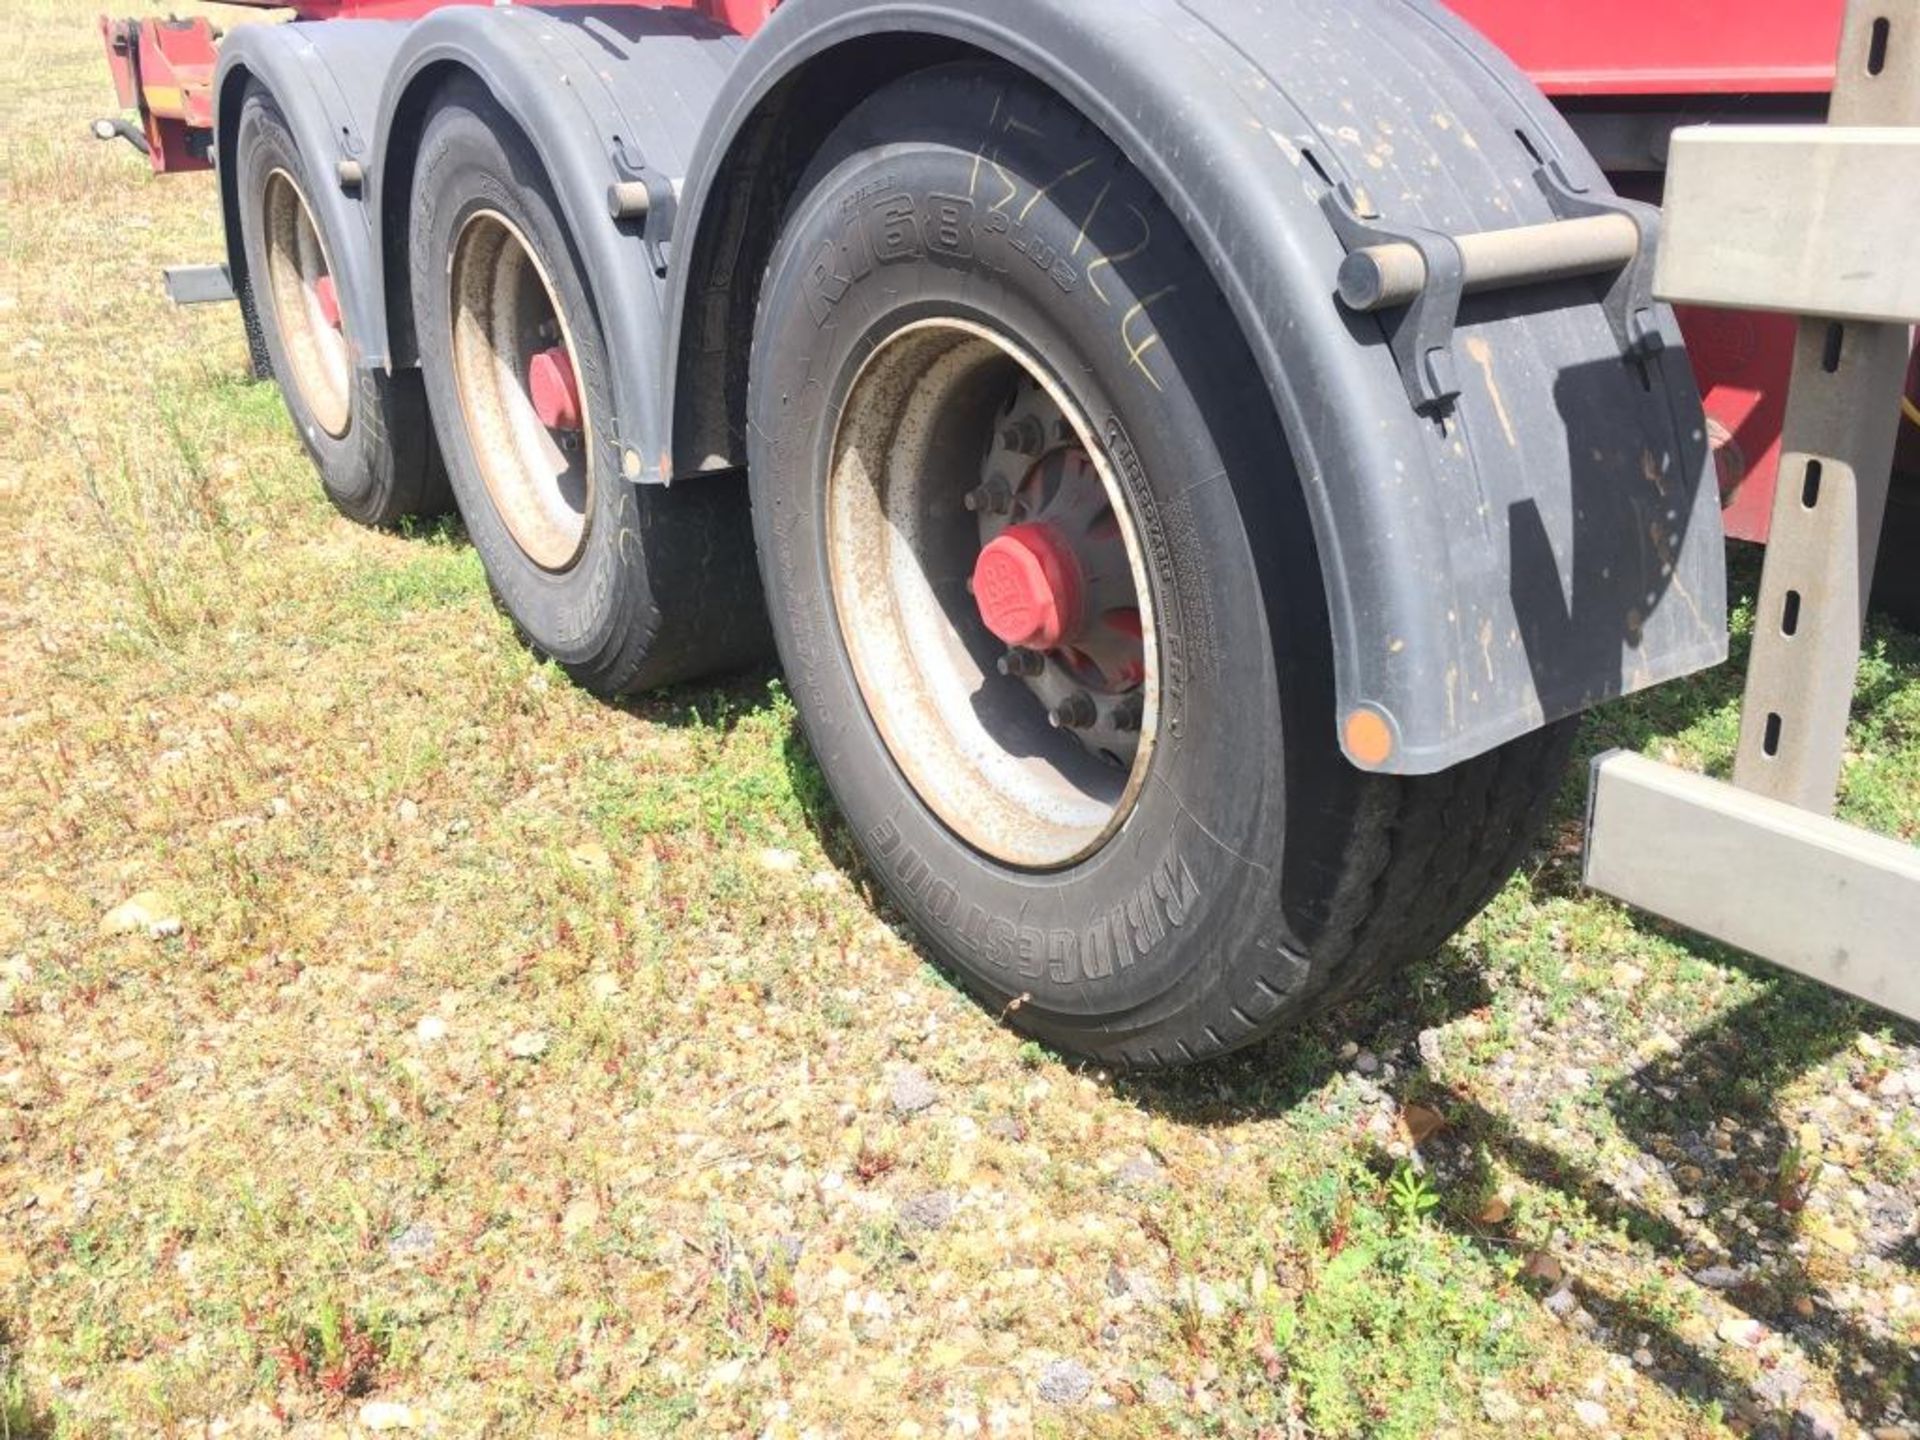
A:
386,1415
408,811
780,862
430,1029
1742,1331
528,1045
582,1214
592,858
412,1243
149,913
1065,1382
603,987
1892,1086
912,1091
1643,1357
1349,1050
1560,1304
1366,1062
1542,1267
1804,1307
1007,1128
1417,1122
930,1211
1719,1277
1689,1175
1140,1173
1833,1235
1500,1407
1592,1414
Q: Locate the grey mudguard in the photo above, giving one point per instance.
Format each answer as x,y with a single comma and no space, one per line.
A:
326,80
1556,541
607,96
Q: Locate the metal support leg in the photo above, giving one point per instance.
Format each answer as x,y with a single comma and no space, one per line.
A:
1760,863
1843,417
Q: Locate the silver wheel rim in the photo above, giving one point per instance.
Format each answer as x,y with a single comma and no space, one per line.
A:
952,436
538,475
305,304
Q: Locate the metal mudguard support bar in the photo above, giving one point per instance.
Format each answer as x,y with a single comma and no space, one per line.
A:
1422,275
1378,277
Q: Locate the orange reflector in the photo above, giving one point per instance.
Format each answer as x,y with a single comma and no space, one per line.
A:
1369,741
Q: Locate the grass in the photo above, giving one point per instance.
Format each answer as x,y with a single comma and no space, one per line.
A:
525,1061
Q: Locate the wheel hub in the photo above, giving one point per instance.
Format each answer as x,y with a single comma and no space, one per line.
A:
327,296
300,286
1027,585
519,389
554,391
992,593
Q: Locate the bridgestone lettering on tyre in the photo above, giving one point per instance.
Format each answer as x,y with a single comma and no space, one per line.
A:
626,586
366,429
1045,589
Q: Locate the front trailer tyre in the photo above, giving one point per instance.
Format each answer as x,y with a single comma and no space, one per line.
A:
365,428
1044,587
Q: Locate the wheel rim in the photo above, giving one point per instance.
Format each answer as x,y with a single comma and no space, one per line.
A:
991,590
515,369
307,305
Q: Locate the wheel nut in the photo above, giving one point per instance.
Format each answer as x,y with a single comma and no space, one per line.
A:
993,498
1076,712
1022,662
1128,714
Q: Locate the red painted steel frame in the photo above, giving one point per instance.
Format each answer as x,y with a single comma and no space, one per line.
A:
1666,47
746,16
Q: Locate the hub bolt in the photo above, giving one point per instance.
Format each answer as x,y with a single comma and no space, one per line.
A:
1022,662
1128,714
1076,712
993,498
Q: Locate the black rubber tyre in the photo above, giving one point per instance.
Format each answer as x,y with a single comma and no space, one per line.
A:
1260,874
382,466
663,588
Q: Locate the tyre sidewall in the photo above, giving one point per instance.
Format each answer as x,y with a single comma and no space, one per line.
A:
1154,921
581,616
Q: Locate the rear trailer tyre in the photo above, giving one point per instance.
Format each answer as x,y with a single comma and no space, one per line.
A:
1044,587
366,430
626,586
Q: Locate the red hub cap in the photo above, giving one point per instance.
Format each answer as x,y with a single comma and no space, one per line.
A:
329,298
551,386
1028,587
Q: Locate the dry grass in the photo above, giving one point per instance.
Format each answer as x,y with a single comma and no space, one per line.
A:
527,1063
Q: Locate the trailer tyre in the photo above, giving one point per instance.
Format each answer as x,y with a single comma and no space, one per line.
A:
366,429
996,402
625,585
